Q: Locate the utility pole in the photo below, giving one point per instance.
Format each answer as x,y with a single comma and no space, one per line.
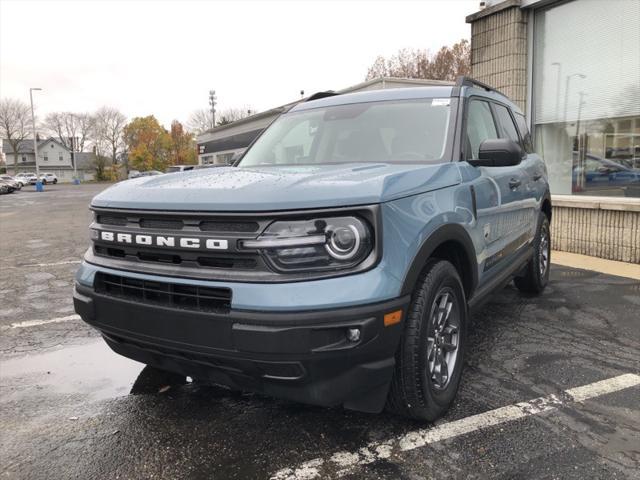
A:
212,103
72,142
35,141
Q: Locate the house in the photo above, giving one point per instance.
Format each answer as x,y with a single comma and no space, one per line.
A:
53,157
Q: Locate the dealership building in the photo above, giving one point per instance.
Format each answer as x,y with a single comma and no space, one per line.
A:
574,68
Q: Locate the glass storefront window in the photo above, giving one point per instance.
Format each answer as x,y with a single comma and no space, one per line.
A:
586,96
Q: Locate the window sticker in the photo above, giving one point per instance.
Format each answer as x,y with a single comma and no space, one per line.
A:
440,102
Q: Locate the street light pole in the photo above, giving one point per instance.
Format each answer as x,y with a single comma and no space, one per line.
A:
35,141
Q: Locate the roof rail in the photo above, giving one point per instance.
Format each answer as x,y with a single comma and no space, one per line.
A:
463,81
319,95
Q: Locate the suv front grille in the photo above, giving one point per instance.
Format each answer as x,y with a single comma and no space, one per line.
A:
161,222
187,297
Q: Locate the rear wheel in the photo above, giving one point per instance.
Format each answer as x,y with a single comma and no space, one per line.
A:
55,180
536,274
429,359
44,182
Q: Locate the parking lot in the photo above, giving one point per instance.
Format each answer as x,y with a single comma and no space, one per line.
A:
550,387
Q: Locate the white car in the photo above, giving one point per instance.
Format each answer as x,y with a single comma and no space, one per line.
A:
48,178
16,182
27,178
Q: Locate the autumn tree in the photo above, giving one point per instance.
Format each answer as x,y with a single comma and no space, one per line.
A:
148,144
108,135
447,64
183,146
70,127
15,117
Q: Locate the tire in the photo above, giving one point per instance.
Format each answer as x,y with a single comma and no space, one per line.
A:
44,182
417,390
55,180
536,273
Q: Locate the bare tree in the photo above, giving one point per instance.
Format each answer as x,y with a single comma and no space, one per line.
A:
72,129
230,115
15,117
108,132
446,64
200,121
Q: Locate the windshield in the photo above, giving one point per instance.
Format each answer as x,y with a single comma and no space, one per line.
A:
382,132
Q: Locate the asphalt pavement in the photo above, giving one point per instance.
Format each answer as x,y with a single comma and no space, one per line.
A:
550,387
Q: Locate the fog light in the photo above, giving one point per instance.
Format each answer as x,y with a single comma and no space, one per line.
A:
353,334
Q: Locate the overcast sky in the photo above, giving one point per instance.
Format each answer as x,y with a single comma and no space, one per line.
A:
162,57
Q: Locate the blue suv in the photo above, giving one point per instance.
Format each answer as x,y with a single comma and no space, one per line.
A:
339,261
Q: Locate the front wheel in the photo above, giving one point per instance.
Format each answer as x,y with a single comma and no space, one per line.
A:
55,180
536,274
429,359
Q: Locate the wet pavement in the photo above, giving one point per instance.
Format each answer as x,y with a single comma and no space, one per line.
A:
70,408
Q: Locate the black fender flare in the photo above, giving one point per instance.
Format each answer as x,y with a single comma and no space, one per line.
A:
450,232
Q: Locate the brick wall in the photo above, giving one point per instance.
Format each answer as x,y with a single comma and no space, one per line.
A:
600,227
499,49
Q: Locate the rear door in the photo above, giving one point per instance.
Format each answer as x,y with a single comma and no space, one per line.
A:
499,192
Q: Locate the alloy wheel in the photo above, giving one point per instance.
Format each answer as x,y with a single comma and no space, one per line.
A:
443,338
543,251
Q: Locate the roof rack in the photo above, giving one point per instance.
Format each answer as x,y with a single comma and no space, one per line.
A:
463,81
319,95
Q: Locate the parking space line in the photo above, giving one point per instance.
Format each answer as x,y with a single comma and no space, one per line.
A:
35,323
65,262
343,463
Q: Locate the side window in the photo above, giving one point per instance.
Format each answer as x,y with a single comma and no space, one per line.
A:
524,133
506,122
480,127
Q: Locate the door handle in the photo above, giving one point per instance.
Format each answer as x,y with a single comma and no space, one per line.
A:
514,183
537,176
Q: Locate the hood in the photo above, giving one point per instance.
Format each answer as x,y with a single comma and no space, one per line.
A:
272,188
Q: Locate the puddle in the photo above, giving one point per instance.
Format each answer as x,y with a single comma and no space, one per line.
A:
92,369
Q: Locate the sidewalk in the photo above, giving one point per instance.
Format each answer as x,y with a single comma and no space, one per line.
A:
610,267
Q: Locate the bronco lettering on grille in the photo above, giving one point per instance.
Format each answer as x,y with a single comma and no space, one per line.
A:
165,241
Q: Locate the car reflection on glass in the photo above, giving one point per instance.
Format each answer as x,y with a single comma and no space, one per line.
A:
598,171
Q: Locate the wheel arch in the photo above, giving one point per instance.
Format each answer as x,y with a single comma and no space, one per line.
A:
449,242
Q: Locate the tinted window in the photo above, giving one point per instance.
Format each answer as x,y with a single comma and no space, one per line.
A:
506,122
480,127
524,133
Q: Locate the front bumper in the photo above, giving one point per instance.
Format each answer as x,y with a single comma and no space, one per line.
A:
303,356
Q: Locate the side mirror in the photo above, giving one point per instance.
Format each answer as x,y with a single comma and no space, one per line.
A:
498,152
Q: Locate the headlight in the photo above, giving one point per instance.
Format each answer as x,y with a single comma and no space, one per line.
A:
320,244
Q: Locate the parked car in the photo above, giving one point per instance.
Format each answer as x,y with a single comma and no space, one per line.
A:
179,168
339,261
14,182
595,172
5,187
27,178
48,178
146,173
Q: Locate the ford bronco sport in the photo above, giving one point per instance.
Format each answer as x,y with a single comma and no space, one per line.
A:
339,261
